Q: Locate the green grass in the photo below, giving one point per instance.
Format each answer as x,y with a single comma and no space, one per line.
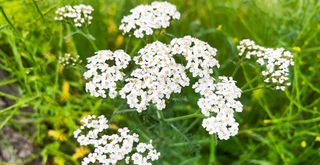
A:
272,126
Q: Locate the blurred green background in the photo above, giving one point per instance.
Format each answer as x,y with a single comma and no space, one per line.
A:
42,101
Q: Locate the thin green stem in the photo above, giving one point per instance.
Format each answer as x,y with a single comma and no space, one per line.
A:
12,97
170,35
124,111
204,141
9,22
8,118
88,36
127,44
18,104
212,159
195,115
191,125
249,82
235,70
252,89
38,9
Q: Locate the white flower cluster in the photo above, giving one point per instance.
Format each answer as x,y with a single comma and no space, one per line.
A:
159,75
104,72
276,62
145,18
219,97
157,78
111,149
80,14
200,55
68,59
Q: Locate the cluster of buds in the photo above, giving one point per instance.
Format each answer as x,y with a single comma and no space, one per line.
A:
69,60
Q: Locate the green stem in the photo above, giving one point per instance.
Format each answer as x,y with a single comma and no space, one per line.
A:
212,160
191,125
159,115
195,115
252,89
38,9
9,22
8,118
170,35
200,142
235,70
18,104
88,36
127,44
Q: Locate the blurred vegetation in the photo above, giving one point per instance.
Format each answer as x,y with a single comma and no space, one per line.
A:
275,127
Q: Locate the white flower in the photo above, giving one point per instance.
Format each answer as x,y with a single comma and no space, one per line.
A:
223,126
110,149
157,78
200,55
104,72
79,14
276,62
219,97
95,126
146,18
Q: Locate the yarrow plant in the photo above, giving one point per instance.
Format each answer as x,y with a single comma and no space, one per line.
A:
144,19
276,62
121,146
157,78
104,70
158,75
80,15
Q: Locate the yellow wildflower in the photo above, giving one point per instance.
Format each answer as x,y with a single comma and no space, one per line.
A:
317,138
303,144
119,41
296,49
58,161
80,152
65,95
112,27
57,134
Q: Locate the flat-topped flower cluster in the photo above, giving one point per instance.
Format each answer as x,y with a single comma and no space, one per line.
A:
79,14
276,62
218,103
200,56
144,19
104,70
157,78
121,146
